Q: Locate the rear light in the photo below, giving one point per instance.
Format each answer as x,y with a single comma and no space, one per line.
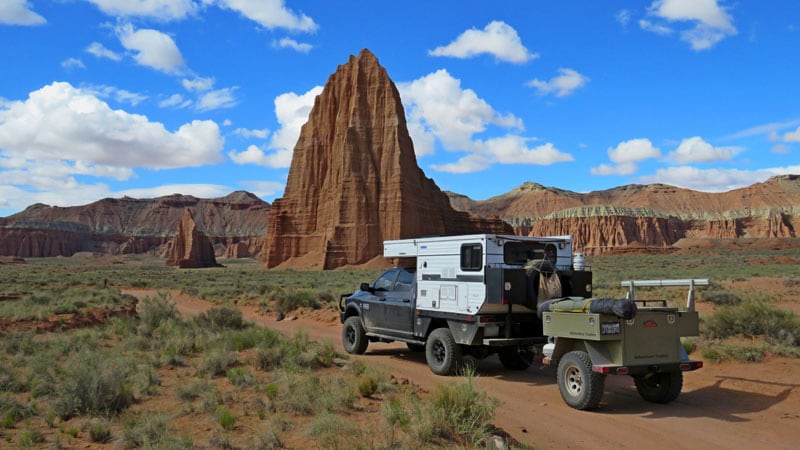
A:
622,371
691,365
503,302
611,370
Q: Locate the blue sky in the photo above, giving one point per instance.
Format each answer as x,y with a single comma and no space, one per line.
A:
106,98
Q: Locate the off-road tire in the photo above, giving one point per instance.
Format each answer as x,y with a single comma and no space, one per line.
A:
354,340
416,348
516,357
662,387
580,387
442,352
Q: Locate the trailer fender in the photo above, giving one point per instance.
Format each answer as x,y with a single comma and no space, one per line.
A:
564,346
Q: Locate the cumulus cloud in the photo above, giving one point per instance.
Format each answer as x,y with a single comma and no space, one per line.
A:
217,99
625,156
19,12
270,14
497,38
175,101
263,189
245,133
97,49
73,63
163,10
792,136
440,110
119,95
198,84
647,25
62,123
197,190
714,180
292,112
562,85
292,44
710,23
151,48
696,150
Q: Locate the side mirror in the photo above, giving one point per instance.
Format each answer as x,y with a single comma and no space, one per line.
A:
365,287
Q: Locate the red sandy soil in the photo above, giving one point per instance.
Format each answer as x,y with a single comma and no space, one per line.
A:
722,406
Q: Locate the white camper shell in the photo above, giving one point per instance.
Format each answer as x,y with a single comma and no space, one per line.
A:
452,271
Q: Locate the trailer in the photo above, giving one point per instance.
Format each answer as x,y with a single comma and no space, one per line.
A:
518,297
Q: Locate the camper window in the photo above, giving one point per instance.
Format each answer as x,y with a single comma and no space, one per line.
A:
471,257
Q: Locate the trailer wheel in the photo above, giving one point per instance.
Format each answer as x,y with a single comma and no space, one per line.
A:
662,387
580,387
516,357
354,340
442,352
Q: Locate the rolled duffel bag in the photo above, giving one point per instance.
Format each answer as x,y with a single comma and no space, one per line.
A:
623,308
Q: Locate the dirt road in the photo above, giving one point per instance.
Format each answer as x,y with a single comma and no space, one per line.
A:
723,406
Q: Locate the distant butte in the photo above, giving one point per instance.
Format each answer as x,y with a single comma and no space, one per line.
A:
354,180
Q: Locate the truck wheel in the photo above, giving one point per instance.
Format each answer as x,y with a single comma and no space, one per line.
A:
662,387
354,340
515,357
442,352
580,387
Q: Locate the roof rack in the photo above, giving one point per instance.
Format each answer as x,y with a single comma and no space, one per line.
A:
691,282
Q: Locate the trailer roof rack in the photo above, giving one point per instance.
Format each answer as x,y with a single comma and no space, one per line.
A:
691,282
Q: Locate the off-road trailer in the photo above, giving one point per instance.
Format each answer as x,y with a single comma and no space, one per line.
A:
647,346
482,294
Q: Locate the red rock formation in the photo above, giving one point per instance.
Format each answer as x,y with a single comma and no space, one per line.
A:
190,248
354,179
128,225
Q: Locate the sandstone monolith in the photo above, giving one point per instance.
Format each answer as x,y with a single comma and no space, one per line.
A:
190,248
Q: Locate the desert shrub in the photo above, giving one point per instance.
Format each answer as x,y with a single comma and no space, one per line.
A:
331,432
457,413
753,319
99,430
192,391
298,394
12,411
368,385
293,299
736,352
150,430
689,345
30,437
220,318
721,298
155,310
95,384
240,376
226,418
217,361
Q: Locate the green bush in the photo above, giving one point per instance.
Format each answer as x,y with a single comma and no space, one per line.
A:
721,298
220,318
217,361
11,411
367,386
458,413
150,430
156,310
99,431
753,319
95,384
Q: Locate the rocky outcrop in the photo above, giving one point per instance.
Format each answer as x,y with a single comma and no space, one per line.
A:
128,225
354,179
190,248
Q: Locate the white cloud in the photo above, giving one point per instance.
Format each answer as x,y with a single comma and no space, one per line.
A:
563,85
437,104
292,112
97,49
292,44
625,156
714,180
72,63
19,12
711,22
197,190
695,149
663,30
119,95
175,101
217,99
198,84
163,10
263,189
151,48
780,149
770,129
61,123
440,110
792,136
245,133
623,17
281,158
497,38
270,14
